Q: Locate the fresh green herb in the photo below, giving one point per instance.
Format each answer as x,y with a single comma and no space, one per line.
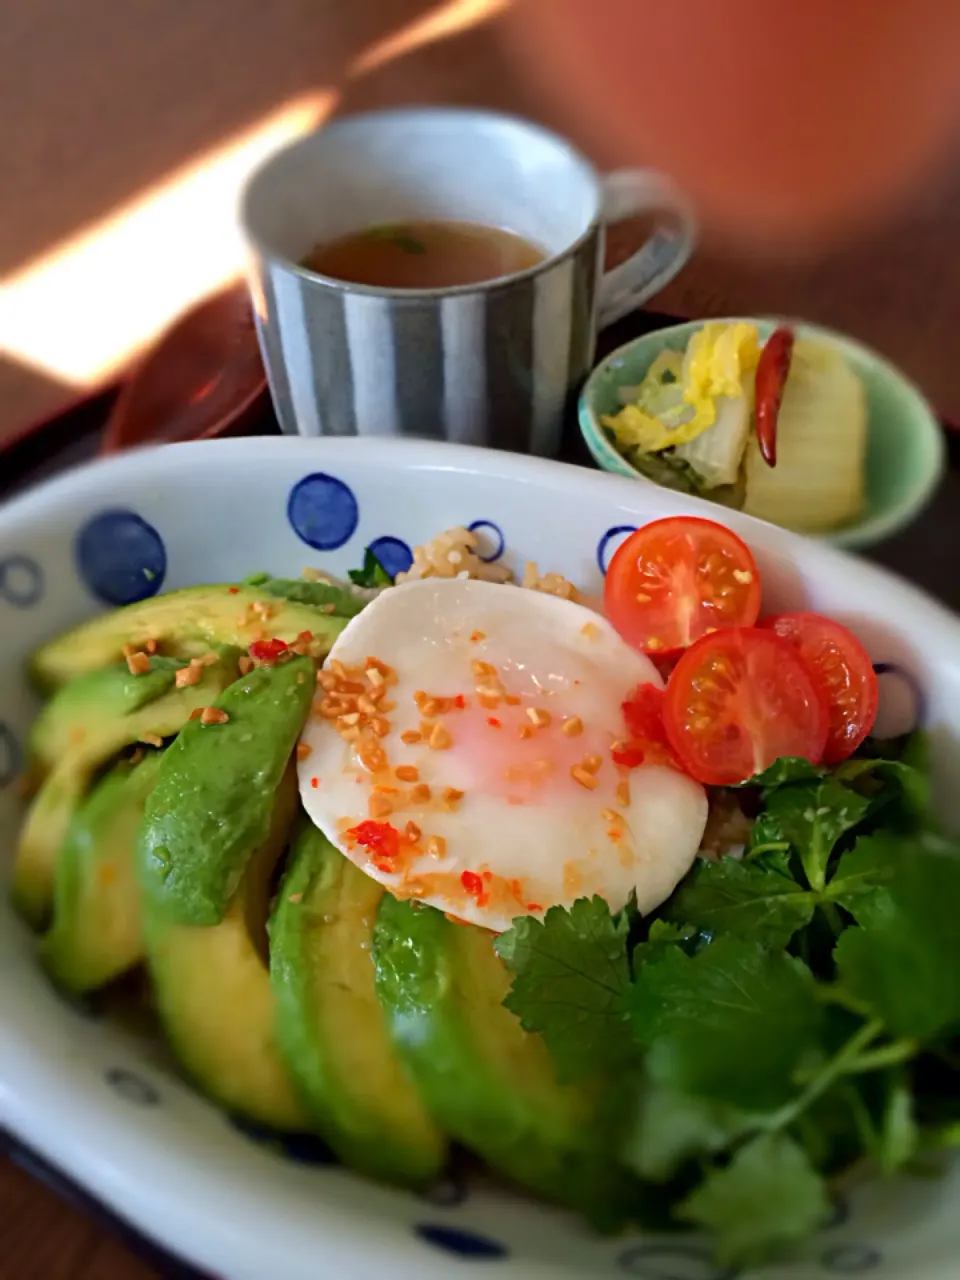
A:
756,900
571,976
373,574
787,1015
768,1197
903,961
730,1024
809,818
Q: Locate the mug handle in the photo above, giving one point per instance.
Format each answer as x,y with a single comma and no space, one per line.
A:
629,192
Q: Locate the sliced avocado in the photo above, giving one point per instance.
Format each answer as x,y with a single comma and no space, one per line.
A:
211,807
93,704
45,827
488,1083
96,936
331,1028
185,624
213,993
331,597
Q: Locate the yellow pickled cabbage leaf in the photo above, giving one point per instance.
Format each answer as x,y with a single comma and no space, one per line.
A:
719,362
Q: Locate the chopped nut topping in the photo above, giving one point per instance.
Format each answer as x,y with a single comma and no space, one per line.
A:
151,646
590,630
151,739
213,715
412,832
411,737
591,763
538,717
304,750
380,805
138,664
623,792
573,727
451,797
436,847
407,773
188,676
244,664
440,738
476,636
421,793
579,774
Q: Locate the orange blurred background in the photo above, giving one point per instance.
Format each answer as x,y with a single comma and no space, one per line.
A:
126,131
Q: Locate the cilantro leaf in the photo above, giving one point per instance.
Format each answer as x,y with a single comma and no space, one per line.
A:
761,902
785,770
904,958
732,1023
863,874
810,818
886,781
571,978
373,574
899,1138
768,1197
669,1126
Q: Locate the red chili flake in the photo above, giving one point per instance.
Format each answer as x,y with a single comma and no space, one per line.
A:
643,713
267,652
534,906
304,637
233,590
488,876
460,702
474,886
629,755
494,723
382,839
196,713
314,782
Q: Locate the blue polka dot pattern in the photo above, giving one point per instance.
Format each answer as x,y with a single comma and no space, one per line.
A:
21,581
323,511
851,1259
302,1148
132,1087
673,1261
896,672
120,557
395,556
465,1244
603,546
9,756
495,533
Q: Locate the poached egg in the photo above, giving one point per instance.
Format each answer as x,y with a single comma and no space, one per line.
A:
459,752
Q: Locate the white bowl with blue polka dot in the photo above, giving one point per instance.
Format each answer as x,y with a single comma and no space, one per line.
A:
101,1102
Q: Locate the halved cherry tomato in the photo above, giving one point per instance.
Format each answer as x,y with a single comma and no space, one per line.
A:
675,580
845,672
738,700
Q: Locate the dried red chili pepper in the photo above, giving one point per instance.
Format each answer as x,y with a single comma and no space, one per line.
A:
267,652
769,382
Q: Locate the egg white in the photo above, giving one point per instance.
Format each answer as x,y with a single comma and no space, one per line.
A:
523,817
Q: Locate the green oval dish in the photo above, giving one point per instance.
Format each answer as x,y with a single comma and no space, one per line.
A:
905,443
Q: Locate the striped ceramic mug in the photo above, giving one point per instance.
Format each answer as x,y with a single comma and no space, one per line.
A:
492,363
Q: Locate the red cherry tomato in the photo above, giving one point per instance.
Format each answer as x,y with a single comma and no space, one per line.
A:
737,701
844,670
675,580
